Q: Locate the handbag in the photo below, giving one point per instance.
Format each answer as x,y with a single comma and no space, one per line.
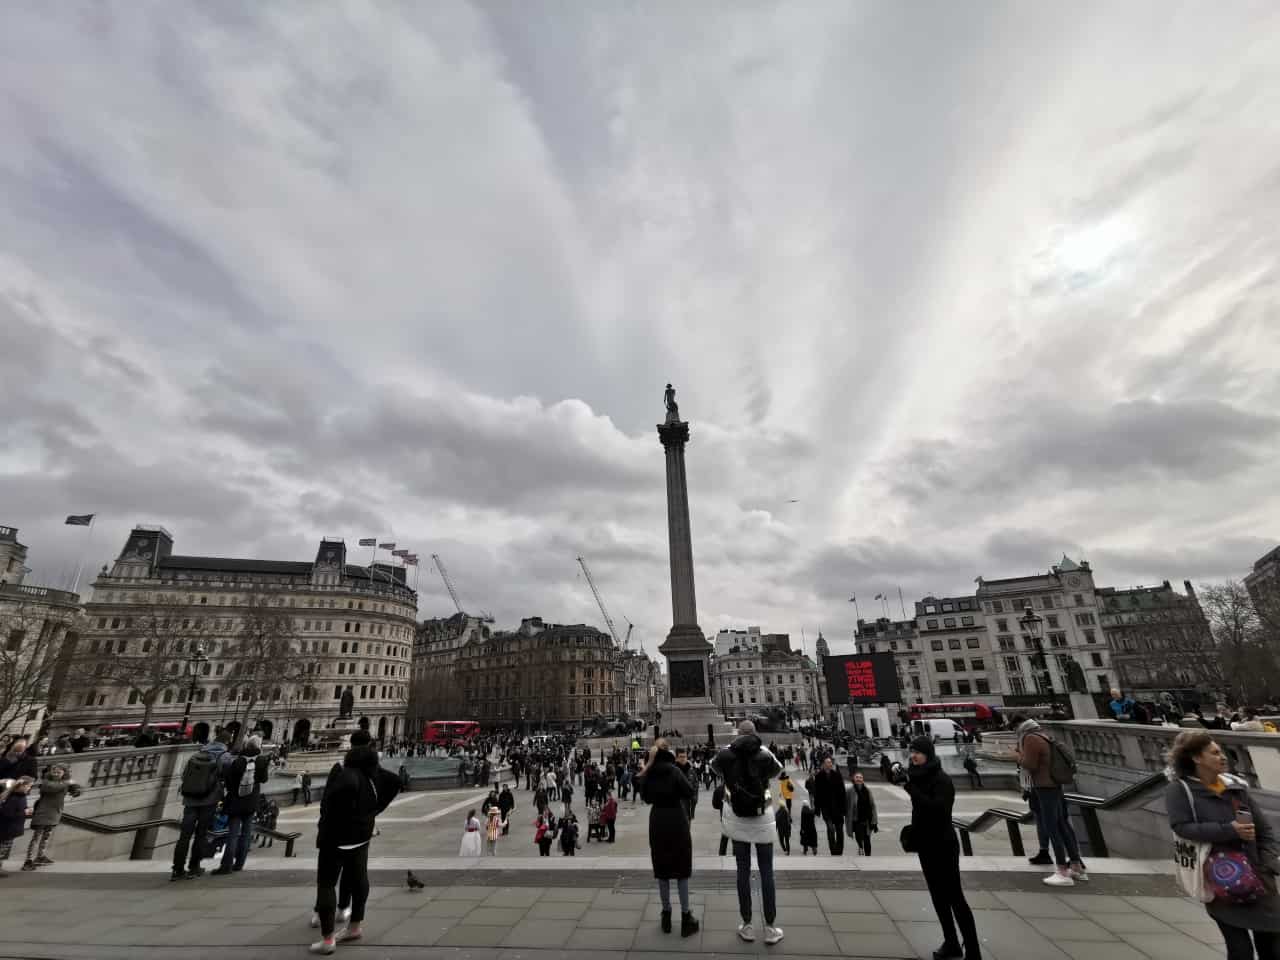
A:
1190,859
908,840
1221,875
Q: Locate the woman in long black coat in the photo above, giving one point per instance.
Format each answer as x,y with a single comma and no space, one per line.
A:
667,790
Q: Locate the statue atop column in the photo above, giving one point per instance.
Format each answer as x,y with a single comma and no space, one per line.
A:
346,704
673,408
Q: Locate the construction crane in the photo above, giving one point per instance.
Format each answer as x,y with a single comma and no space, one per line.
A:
448,584
600,602
626,644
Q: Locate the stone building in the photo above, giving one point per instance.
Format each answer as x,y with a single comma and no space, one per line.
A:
727,640
434,693
548,675
1263,584
957,661
1159,640
343,627
642,682
747,680
1071,640
35,623
900,638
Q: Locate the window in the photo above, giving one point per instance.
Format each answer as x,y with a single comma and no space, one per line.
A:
1017,686
963,688
936,644
977,665
15,639
1089,637
930,608
344,646
1079,598
997,607
966,621
1012,665
1084,620
944,688
1052,620
1103,683
1096,659
364,692
948,622
1002,625
168,696
133,697
971,643
893,645
948,607
346,627
982,685
954,643
1047,601
958,665
939,666
931,624
915,682
342,669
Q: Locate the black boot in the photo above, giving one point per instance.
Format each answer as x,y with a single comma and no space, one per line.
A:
948,951
688,925
666,921
1041,859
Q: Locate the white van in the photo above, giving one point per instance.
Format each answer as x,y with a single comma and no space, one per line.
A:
937,728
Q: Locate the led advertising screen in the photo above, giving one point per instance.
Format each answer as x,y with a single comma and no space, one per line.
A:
861,678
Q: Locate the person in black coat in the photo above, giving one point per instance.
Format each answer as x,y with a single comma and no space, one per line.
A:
18,760
668,792
808,829
239,807
932,797
354,795
829,803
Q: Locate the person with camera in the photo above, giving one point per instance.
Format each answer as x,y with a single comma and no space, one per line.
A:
931,837
746,766
665,787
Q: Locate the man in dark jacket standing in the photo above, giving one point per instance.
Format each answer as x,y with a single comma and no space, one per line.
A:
198,805
506,803
354,795
19,760
829,803
244,778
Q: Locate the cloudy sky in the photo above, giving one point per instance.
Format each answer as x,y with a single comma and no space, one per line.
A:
976,285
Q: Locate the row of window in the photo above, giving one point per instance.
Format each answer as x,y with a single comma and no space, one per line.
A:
964,687
958,665
768,697
215,695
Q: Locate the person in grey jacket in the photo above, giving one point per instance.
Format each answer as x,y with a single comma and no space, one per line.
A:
860,813
1205,804
48,813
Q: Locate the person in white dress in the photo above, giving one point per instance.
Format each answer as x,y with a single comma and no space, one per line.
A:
471,845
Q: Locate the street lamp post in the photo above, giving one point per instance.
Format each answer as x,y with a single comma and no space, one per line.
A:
1031,625
193,662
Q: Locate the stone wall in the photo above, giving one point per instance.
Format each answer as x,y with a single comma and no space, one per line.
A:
1111,756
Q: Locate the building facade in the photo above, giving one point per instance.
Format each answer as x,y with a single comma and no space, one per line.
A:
1263,584
1071,651
900,638
727,640
36,623
336,626
434,693
752,679
1159,640
957,659
550,676
642,682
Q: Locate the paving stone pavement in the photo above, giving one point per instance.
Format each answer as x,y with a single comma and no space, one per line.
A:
92,917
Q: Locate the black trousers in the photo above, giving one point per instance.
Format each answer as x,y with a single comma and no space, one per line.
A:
353,865
942,876
835,837
1240,946
612,828
193,835
784,841
862,831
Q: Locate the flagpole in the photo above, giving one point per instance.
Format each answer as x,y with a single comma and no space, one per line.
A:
80,564
902,603
372,557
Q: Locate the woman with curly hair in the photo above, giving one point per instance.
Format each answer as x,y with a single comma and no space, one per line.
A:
1208,805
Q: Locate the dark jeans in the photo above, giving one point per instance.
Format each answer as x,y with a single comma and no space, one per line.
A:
239,830
544,847
195,829
612,827
724,844
353,865
942,876
764,860
835,836
1052,814
1241,947
784,841
862,831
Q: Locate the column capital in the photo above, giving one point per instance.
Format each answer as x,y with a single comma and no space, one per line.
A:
674,434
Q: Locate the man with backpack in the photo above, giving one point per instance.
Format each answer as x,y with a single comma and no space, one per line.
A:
1049,766
201,788
746,767
243,778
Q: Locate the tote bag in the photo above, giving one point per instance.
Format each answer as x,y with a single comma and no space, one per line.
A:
1190,859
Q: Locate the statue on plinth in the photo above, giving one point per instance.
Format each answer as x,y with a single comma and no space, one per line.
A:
346,705
673,408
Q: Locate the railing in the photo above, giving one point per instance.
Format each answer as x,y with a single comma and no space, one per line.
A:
23,591
1130,796
96,826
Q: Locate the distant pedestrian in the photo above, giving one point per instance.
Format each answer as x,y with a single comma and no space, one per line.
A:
746,768
808,829
544,831
971,768
471,843
306,788
830,804
201,789
1035,756
788,791
667,790
506,803
47,814
934,840
297,789
569,836
609,816
494,829
782,821
862,817
13,814
243,779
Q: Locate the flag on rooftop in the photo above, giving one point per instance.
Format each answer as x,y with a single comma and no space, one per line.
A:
387,546
369,542
80,521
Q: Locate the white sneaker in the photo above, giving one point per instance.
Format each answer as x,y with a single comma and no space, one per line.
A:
1059,880
772,934
344,915
315,920
347,935
1079,875
747,932
322,947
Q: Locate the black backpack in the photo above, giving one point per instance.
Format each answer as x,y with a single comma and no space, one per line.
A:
746,792
200,775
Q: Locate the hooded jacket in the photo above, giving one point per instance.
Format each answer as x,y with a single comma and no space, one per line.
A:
354,795
933,796
762,766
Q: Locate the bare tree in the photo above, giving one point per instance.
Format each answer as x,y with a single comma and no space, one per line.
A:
266,656
1249,664
31,636
150,659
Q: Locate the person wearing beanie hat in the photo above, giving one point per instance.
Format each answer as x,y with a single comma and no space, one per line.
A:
932,799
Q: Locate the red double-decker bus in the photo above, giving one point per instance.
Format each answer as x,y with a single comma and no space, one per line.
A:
448,733
968,715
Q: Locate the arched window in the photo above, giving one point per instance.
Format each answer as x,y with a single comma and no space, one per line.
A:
133,697
168,696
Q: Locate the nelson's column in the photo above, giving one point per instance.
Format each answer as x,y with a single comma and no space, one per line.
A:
690,709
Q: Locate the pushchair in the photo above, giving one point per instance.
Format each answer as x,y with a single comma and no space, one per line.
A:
594,827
